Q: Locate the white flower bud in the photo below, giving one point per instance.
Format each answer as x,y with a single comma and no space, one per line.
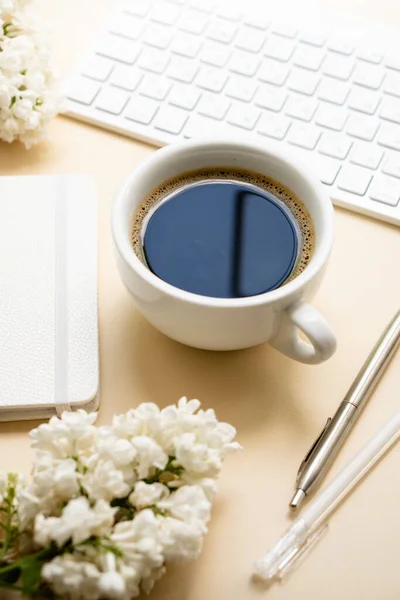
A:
22,108
146,494
149,454
5,97
112,585
188,503
104,482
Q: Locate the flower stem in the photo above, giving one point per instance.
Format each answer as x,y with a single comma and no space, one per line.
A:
7,526
45,553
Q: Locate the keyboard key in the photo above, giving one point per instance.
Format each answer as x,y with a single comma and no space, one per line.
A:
390,110
128,26
366,155
390,137
184,96
199,126
304,136
213,106
333,91
182,69
111,100
153,60
243,63
307,157
193,21
312,38
244,116
141,110
97,67
362,127
370,55
331,117
211,79
273,72
170,119
215,53
392,84
240,88
334,145
386,190
258,21
279,48
301,108
364,101
140,8
339,67
165,13
186,45
229,12
158,36
270,97
126,77
326,168
218,73
341,46
354,179
250,39
205,5
369,76
274,126
302,81
155,87
83,90
118,48
308,57
391,166
222,31
393,62
285,30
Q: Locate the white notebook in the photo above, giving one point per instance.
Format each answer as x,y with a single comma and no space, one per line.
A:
48,296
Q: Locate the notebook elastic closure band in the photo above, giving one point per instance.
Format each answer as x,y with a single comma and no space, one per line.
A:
61,388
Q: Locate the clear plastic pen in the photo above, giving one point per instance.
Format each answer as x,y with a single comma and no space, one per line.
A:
307,529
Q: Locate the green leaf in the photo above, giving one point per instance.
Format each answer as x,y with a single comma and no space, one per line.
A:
31,568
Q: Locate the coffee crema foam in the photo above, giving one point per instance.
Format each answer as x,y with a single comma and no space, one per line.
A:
280,191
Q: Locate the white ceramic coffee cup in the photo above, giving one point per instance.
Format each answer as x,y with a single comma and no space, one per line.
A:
228,324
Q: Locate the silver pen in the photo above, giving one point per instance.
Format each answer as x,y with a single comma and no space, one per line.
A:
324,449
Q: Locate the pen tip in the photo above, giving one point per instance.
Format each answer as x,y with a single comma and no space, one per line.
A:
297,499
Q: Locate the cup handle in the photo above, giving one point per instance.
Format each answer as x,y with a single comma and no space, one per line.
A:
305,317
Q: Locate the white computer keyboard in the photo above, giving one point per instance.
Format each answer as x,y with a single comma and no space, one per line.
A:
167,70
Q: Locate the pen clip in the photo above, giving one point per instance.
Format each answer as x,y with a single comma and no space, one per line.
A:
311,450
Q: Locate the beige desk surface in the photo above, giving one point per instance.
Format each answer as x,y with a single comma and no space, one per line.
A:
277,406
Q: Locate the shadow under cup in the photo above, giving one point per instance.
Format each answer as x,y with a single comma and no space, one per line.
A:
217,323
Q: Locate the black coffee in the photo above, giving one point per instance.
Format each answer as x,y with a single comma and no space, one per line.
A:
248,247
221,236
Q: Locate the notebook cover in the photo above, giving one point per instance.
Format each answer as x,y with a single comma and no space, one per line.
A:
48,295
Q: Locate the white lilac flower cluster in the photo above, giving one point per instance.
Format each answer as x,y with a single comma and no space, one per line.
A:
108,507
27,99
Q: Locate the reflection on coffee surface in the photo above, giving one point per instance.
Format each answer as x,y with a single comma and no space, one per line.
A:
223,233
